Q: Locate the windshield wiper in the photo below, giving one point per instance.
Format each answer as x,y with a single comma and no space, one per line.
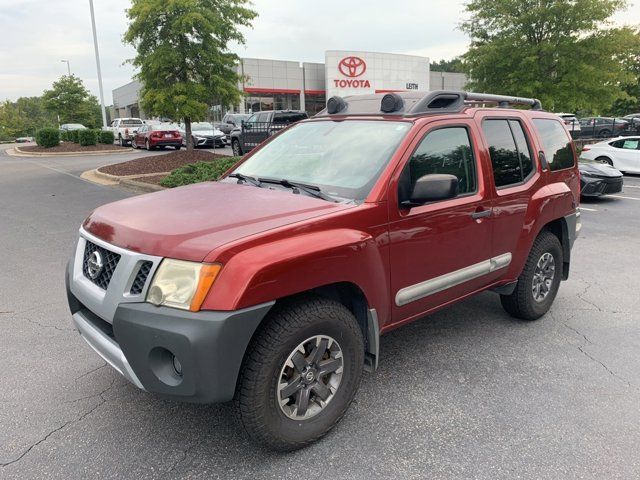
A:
246,178
312,190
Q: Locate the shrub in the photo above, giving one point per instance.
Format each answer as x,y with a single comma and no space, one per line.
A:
73,136
106,137
64,136
48,137
87,137
198,172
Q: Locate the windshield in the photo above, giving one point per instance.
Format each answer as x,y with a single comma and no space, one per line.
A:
343,158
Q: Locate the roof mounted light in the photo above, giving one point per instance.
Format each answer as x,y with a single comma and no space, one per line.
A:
391,102
335,105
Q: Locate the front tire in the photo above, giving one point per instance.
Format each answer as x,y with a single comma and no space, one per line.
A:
539,282
301,372
235,146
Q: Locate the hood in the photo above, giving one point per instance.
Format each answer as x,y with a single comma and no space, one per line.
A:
188,222
598,169
207,133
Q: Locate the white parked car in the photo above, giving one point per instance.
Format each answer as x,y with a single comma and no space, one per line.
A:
622,153
124,129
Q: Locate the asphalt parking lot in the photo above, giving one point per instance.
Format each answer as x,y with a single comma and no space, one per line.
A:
466,393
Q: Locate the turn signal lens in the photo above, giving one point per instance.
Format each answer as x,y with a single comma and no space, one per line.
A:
208,274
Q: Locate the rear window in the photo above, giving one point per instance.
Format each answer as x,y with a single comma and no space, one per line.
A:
556,143
511,157
289,117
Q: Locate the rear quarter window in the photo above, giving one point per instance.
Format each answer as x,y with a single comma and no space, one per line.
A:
556,143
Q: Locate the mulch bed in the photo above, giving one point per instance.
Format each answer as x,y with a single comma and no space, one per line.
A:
70,147
159,163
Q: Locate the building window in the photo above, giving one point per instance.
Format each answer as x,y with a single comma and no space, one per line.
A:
314,103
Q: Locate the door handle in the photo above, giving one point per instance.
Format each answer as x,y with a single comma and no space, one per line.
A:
481,214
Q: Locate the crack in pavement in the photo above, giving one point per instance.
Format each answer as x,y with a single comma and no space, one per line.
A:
581,348
186,452
61,427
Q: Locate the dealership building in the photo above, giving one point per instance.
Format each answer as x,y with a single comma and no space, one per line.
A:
279,84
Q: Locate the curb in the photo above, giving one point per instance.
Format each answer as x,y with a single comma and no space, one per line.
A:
16,152
101,178
145,187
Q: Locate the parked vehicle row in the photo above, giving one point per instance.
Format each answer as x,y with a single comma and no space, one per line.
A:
260,126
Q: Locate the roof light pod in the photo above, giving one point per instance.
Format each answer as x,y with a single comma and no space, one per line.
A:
335,105
391,102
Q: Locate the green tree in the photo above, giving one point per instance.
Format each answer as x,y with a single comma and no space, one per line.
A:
563,52
183,56
70,100
451,66
12,121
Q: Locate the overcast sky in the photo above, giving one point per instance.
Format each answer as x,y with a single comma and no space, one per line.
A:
37,34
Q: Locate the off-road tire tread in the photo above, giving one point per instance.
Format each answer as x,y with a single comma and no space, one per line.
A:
284,321
519,303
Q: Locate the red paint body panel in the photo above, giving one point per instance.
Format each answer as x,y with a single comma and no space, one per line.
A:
273,243
188,222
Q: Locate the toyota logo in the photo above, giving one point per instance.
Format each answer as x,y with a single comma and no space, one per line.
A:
95,265
352,66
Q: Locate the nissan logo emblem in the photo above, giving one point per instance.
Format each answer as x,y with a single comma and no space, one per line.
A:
352,66
94,265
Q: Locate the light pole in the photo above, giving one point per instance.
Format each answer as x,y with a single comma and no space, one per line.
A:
68,66
95,44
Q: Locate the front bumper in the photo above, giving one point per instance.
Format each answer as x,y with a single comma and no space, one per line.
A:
597,186
140,341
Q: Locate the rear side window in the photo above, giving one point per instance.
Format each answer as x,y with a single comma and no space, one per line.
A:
446,150
509,150
289,117
556,143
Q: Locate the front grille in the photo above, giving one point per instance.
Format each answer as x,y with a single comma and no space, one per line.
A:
109,263
141,278
613,185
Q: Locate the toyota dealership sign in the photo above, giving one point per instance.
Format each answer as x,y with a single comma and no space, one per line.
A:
353,73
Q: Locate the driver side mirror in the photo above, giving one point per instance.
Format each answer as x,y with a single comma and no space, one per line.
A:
434,187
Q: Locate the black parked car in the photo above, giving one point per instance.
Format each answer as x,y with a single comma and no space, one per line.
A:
598,179
261,126
602,127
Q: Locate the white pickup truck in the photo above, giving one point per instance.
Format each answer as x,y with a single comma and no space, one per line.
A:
124,129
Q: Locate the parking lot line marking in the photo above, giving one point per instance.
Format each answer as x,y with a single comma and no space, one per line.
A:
588,209
626,198
631,186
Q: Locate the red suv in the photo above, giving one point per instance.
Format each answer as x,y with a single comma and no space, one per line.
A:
272,286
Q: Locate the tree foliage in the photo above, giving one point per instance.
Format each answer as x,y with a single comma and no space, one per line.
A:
563,52
450,66
69,99
23,117
183,57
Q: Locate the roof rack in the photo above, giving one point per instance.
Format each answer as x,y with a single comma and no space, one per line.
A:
455,101
419,103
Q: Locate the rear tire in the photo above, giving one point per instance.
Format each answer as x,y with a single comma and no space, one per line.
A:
274,366
539,282
147,145
604,134
121,141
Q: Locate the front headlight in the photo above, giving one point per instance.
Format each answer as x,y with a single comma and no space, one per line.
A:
181,284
